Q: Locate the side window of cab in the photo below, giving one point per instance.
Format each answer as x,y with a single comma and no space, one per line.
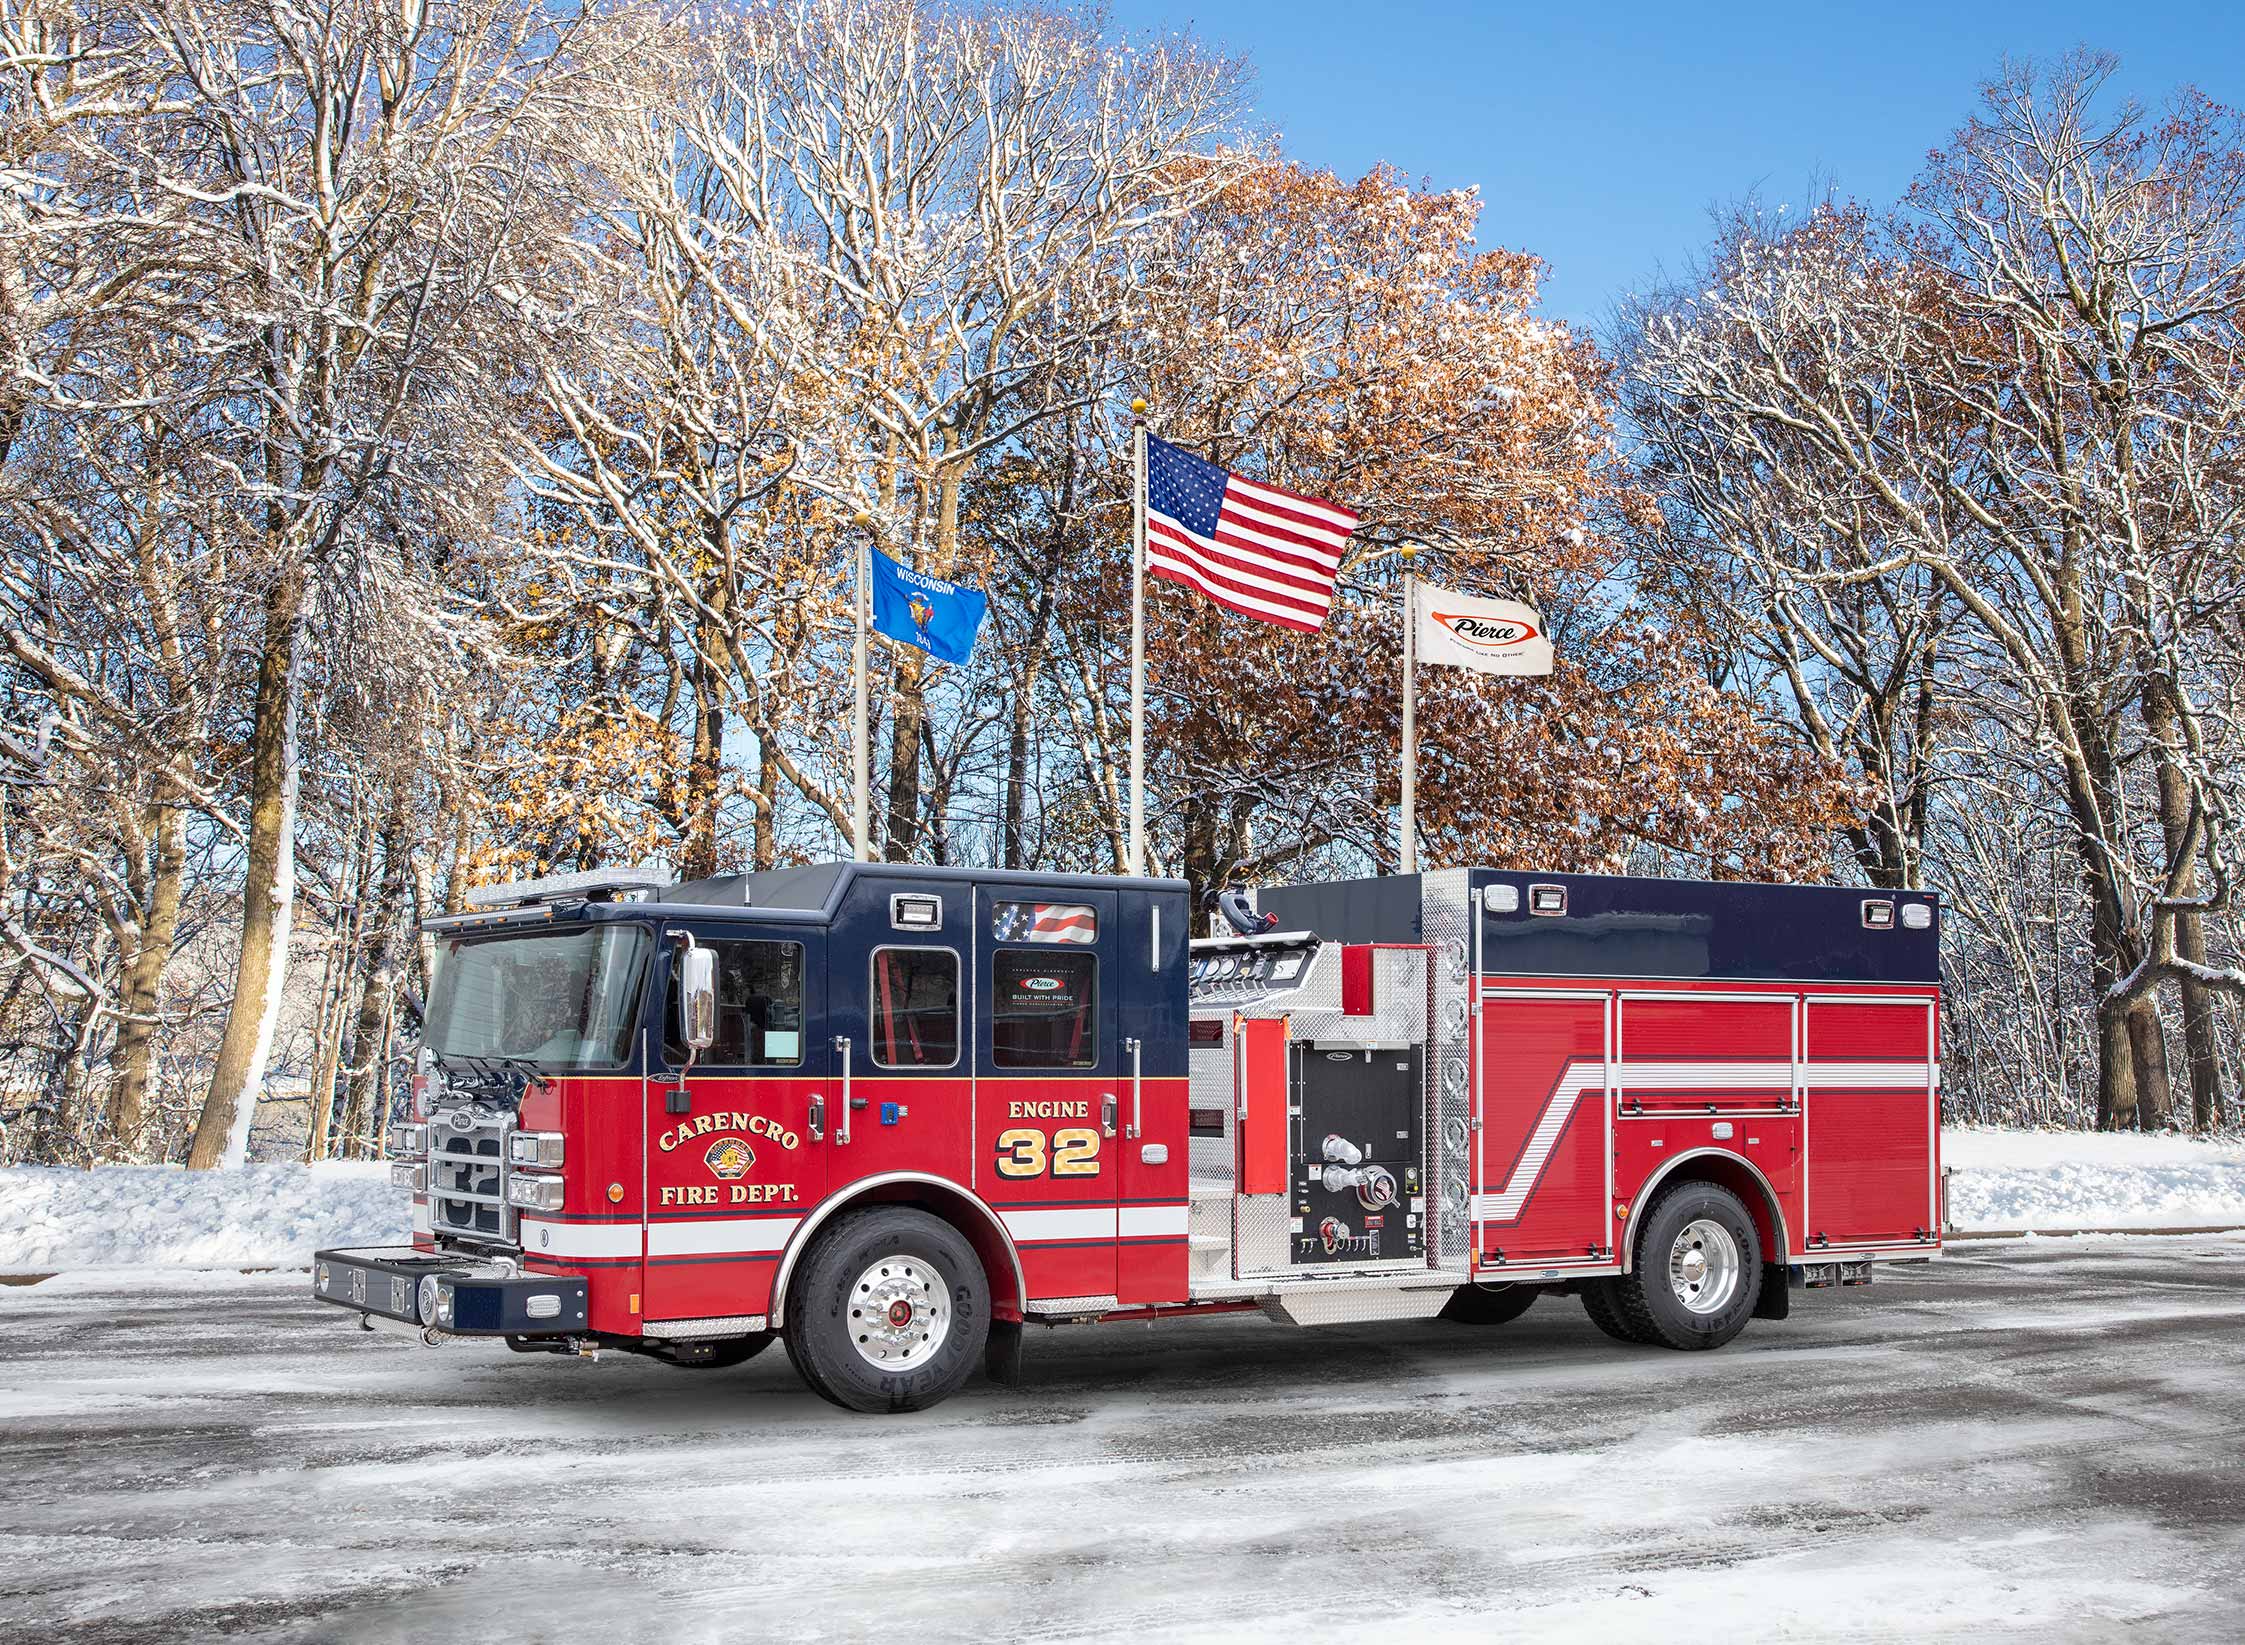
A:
759,1006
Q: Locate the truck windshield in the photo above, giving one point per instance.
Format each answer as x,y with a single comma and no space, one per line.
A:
560,999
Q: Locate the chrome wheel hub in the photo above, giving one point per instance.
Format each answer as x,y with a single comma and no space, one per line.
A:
900,1312
1705,1266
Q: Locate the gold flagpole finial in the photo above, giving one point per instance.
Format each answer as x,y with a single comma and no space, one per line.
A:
1138,408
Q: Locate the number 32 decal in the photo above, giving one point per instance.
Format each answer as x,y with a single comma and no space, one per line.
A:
1074,1153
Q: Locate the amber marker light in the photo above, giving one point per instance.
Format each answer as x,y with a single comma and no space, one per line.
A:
615,1193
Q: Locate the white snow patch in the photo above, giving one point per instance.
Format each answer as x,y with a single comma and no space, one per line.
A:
137,1216
2092,1179
134,1216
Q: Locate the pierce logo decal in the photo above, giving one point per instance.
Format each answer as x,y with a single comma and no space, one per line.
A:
1486,634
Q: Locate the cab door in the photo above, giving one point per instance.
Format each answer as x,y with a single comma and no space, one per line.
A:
1051,1078
735,1156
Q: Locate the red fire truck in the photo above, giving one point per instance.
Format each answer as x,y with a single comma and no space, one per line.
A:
888,1115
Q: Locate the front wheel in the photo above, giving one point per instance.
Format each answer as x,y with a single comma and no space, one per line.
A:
889,1312
1698,1271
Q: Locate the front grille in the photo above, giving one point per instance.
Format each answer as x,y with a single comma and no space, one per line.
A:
468,1180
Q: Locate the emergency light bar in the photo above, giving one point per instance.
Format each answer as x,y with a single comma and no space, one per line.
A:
613,882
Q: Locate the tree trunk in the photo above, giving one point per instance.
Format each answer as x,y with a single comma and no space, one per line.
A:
910,685
765,847
268,889
2147,1044
705,766
327,1054
2200,1044
2116,1078
2116,1074
902,825
2201,1033
135,1054
377,982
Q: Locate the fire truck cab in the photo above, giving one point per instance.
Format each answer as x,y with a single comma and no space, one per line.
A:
889,1114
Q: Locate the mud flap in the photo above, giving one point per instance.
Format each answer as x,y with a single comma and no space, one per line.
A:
1001,1355
1776,1300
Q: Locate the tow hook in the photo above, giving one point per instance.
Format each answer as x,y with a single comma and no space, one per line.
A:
431,1337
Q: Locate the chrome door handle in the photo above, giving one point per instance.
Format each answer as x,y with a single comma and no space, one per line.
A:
1107,1113
1137,1094
816,1124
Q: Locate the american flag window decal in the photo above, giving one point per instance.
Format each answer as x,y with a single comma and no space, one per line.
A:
1044,922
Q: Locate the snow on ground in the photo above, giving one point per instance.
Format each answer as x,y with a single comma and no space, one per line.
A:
2089,1179
2028,1443
268,1216
154,1215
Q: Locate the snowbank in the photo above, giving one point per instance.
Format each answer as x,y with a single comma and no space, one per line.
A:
276,1216
2077,1179
138,1215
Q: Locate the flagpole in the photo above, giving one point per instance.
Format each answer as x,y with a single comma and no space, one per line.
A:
1410,851
1136,863
860,781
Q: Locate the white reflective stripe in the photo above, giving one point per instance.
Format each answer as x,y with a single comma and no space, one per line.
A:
580,1239
1075,1222
1699,1076
421,1223
1579,1077
1143,1221
720,1236
1871,1076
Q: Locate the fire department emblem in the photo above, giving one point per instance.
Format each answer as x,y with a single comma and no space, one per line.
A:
729,1158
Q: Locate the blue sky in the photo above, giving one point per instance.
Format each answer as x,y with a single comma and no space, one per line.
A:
1599,136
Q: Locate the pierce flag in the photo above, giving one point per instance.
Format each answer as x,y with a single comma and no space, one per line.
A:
1493,636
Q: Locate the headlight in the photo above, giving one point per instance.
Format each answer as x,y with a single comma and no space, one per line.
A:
413,1176
321,1279
436,1300
409,1141
534,1193
535,1148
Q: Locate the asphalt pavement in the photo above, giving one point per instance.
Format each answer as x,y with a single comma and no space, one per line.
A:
2039,1440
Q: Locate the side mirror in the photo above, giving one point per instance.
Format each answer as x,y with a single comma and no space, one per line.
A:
697,997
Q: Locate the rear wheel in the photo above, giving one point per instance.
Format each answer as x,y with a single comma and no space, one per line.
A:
1598,1303
889,1311
1698,1271
1488,1304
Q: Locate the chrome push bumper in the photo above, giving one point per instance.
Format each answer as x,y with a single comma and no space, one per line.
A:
449,1295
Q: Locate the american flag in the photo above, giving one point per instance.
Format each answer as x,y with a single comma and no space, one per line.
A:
1251,548
1045,922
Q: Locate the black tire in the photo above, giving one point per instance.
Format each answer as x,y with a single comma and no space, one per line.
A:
928,1269
1647,1301
717,1355
1598,1303
1488,1304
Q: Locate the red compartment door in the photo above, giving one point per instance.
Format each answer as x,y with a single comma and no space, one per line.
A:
1543,1160
1690,1053
1871,1122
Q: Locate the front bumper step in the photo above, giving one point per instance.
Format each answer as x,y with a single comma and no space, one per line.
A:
469,1299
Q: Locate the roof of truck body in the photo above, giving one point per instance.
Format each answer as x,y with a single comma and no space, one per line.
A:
1616,925
819,888
808,895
